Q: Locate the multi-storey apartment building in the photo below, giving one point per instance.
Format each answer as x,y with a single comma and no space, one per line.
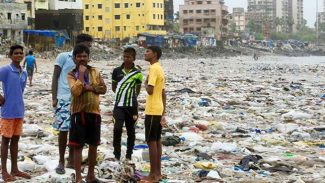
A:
203,17
65,4
13,20
239,18
123,19
169,9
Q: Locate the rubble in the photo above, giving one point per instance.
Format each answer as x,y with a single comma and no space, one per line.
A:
220,111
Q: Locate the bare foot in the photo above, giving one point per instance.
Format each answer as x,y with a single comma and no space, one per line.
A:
7,177
150,179
21,174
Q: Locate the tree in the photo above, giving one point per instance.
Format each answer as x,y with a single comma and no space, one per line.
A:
277,23
254,27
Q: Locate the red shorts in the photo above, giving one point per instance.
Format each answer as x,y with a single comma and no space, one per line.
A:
11,127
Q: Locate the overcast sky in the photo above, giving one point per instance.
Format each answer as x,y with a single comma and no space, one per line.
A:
309,8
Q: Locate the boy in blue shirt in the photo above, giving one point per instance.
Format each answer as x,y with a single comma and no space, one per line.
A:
31,64
13,79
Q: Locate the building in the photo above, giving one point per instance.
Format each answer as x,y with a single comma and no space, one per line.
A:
281,15
42,4
239,18
321,17
107,19
13,20
203,17
65,4
169,10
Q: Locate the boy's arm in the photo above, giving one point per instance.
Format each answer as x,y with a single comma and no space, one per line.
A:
76,86
114,86
164,101
138,89
101,88
35,65
54,87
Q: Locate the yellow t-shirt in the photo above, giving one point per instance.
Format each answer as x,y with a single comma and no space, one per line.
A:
154,102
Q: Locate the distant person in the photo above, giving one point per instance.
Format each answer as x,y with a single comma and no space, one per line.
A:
31,64
13,79
255,56
86,85
61,99
155,111
126,84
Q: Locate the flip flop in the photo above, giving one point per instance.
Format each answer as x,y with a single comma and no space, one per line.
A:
22,175
10,179
60,170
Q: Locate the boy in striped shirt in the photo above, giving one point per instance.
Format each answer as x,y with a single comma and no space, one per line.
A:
126,84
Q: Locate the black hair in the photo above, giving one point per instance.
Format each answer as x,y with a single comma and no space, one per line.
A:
14,47
30,52
83,38
131,51
80,48
157,50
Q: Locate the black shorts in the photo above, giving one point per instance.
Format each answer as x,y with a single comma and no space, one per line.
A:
85,128
30,71
153,128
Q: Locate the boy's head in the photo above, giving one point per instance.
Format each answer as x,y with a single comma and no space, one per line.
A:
16,53
81,54
85,39
153,53
30,52
129,55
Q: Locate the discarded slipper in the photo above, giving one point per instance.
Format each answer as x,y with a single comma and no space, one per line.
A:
60,170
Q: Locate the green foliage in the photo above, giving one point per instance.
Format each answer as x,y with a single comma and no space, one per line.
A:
304,34
259,36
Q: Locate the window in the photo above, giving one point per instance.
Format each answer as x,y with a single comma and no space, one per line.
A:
86,17
184,11
190,11
154,16
138,5
199,2
161,5
157,16
87,29
117,28
23,16
154,5
208,2
137,28
117,5
198,11
100,29
100,6
126,5
161,17
100,17
128,16
117,17
198,29
9,16
86,6
124,28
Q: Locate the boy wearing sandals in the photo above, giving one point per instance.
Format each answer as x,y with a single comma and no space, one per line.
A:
13,79
86,85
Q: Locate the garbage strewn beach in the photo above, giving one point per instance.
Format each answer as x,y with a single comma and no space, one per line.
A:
230,120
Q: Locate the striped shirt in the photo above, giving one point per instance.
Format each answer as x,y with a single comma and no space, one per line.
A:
125,95
86,101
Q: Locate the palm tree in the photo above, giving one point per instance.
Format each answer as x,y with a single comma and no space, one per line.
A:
277,23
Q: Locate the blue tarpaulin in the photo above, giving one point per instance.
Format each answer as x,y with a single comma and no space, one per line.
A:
59,36
153,40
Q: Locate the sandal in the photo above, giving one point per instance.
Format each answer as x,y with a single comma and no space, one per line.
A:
60,170
22,175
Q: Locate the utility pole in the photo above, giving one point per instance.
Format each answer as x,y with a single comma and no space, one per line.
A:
317,24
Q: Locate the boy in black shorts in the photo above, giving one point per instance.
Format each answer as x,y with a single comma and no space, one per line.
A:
86,85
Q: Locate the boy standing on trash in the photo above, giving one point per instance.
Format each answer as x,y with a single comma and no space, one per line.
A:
31,65
126,84
13,79
86,85
61,99
155,111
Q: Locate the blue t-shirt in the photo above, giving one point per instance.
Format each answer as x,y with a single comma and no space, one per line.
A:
13,85
30,61
66,63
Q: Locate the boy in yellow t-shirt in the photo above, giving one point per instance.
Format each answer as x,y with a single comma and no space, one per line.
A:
155,110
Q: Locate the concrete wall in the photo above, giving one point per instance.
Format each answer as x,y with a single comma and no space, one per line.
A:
60,4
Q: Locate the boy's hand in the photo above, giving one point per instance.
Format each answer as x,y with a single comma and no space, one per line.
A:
163,122
2,100
89,88
82,68
54,103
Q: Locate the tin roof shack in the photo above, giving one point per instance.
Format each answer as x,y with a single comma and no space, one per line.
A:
45,40
70,20
146,39
13,21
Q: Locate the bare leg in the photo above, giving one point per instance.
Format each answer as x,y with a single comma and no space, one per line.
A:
92,155
4,156
159,152
77,162
153,155
14,155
